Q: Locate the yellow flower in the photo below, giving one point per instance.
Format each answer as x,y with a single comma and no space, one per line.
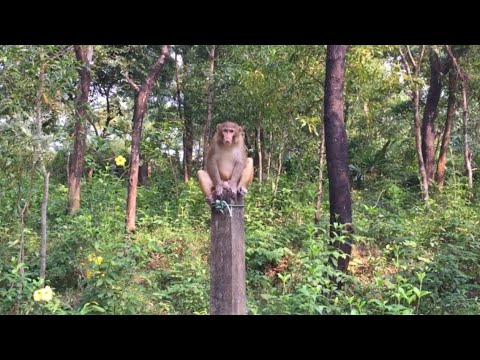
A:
120,160
89,274
98,260
91,257
37,295
45,294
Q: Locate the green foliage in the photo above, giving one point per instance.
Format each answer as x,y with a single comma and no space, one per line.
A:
409,256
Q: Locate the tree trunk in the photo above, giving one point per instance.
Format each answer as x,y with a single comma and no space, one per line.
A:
185,116
45,173
174,172
269,157
109,112
187,143
429,115
84,54
337,151
211,93
186,140
442,157
21,252
259,143
418,145
320,179
466,149
280,162
89,174
43,222
413,69
143,171
138,115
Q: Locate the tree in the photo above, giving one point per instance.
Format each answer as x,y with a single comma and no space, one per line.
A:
211,93
318,206
413,69
46,174
430,114
140,107
467,154
442,157
337,150
184,109
84,54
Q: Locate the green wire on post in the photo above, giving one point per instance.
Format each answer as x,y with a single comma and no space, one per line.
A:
222,204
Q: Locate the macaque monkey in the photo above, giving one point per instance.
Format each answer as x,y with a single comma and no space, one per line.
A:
227,165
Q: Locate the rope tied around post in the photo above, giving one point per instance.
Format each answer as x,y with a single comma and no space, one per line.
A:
222,205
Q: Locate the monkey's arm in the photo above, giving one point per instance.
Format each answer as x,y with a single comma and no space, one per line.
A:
236,175
212,168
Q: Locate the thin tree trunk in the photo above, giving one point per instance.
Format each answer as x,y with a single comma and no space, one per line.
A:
21,252
185,116
143,171
178,92
413,73
466,149
89,174
269,157
174,173
84,54
109,113
43,246
258,139
23,217
442,157
45,173
181,114
211,93
187,144
141,99
280,161
318,211
337,152
418,144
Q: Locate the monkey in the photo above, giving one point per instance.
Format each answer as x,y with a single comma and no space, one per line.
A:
227,166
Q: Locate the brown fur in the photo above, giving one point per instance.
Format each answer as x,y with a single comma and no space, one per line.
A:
226,163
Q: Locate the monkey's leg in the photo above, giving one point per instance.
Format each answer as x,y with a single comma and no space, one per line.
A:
206,185
247,176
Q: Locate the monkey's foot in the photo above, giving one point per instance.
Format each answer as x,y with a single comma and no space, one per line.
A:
242,191
210,200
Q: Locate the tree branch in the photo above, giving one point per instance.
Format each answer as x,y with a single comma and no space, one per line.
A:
420,58
411,57
455,63
404,60
130,81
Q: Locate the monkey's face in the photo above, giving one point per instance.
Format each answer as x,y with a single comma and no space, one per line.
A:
229,133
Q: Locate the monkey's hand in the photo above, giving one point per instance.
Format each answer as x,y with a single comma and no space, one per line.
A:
242,191
219,190
233,189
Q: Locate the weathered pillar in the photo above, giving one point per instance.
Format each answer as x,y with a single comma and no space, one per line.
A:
227,262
